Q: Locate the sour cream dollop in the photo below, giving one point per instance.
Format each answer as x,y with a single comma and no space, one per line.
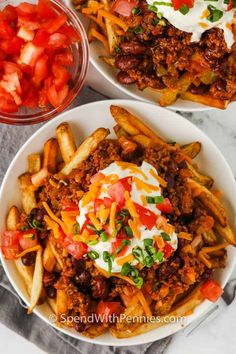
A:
196,20
140,194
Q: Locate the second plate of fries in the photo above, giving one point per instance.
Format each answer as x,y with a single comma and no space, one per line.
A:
50,158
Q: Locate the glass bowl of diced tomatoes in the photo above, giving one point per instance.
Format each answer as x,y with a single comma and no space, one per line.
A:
43,59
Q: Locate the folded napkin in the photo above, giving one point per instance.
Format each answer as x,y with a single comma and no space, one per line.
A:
13,313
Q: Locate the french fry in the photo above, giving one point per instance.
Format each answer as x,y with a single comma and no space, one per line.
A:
50,152
53,304
55,253
170,95
49,260
108,60
26,273
62,307
66,141
206,100
113,39
184,308
95,330
85,149
225,232
119,131
210,201
143,140
13,218
39,178
27,192
34,163
132,125
191,149
210,237
37,282
204,180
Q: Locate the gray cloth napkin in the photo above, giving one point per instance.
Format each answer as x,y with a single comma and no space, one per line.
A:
12,309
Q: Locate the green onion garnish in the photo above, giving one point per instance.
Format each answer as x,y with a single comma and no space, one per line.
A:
103,236
138,282
108,258
158,256
160,15
76,229
136,30
165,236
24,228
136,11
123,244
156,3
148,242
92,242
155,200
184,9
93,255
148,261
126,269
128,231
215,14
152,8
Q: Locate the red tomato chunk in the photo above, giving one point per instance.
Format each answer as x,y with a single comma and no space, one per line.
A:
35,56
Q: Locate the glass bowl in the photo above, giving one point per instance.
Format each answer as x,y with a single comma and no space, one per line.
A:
78,71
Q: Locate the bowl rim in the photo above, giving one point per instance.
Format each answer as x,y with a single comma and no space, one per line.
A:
29,119
203,307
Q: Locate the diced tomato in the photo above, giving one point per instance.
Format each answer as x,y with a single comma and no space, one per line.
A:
10,242
178,3
116,191
12,46
9,13
211,290
28,23
57,40
116,244
26,9
61,76
31,99
55,97
146,216
165,207
108,308
45,10
64,58
7,102
107,202
11,84
2,56
55,24
6,31
97,177
70,32
168,250
41,38
30,54
10,68
28,239
124,7
67,205
40,70
97,204
76,249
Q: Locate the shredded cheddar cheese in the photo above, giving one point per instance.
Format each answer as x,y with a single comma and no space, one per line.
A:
52,225
160,242
160,180
145,186
103,214
91,194
133,224
113,19
144,200
112,216
132,167
185,236
144,304
54,217
130,205
126,259
95,221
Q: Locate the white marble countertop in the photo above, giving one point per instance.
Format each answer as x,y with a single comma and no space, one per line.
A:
219,336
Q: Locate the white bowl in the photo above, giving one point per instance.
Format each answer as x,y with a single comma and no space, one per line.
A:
84,120
148,95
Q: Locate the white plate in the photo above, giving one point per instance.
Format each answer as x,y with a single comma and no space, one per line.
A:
148,95
84,120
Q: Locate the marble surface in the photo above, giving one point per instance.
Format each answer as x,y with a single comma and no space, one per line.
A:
218,336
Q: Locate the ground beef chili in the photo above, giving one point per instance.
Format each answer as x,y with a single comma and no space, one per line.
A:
155,54
165,283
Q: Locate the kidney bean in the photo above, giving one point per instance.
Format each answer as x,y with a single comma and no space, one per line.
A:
83,279
28,259
126,62
221,85
133,47
170,177
78,265
51,292
48,278
40,214
101,287
199,90
124,78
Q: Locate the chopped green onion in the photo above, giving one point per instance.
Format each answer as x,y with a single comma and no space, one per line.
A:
126,269
128,231
76,229
136,11
93,255
24,228
159,199
138,282
92,242
117,50
156,3
158,256
123,244
160,15
225,1
165,236
152,8
136,30
138,254
134,272
215,14
184,9
34,224
152,250
148,242
155,22
103,236
150,200
148,261
108,258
